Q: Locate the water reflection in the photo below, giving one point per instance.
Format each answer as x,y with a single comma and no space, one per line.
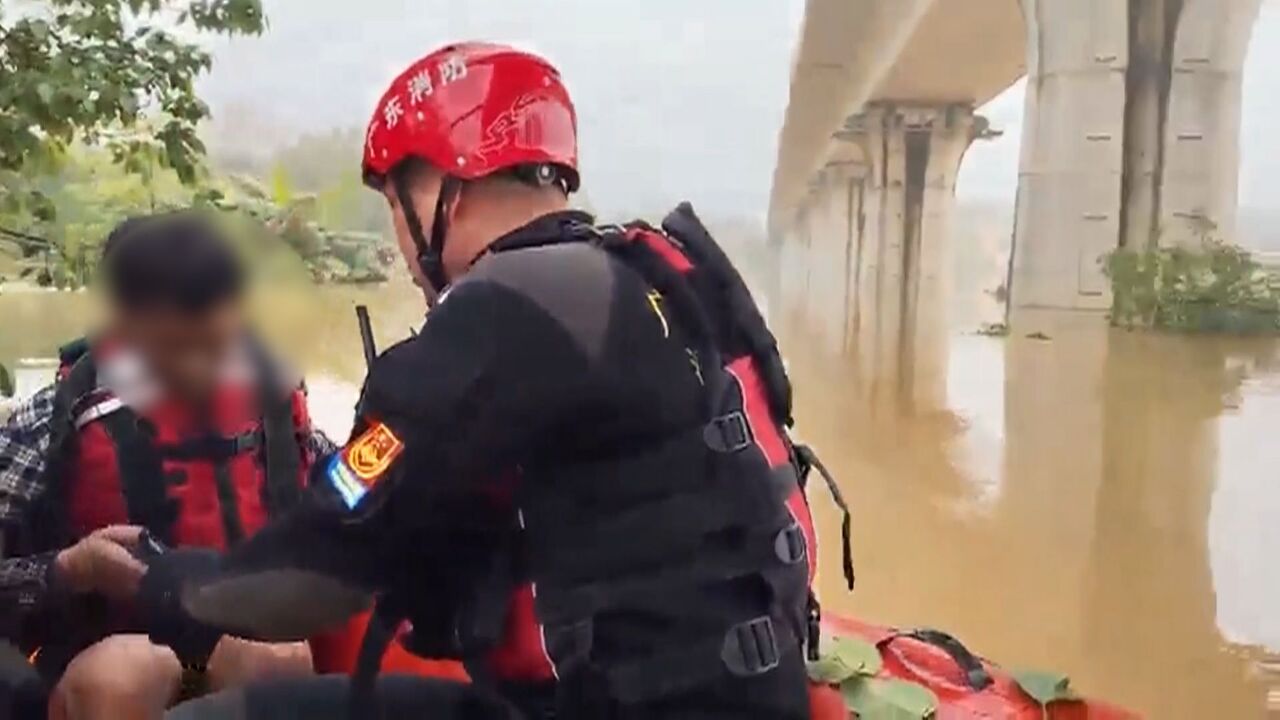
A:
1096,501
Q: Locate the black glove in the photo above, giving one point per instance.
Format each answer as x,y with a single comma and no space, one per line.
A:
160,604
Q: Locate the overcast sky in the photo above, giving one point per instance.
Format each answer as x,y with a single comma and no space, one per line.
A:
676,98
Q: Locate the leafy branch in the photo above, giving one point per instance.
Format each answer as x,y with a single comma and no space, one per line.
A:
80,69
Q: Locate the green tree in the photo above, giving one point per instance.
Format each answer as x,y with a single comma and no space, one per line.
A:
328,165
90,194
94,70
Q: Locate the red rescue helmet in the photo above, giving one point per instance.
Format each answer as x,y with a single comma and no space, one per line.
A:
471,110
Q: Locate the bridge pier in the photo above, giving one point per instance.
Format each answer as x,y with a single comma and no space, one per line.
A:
898,255
1201,165
1131,137
835,220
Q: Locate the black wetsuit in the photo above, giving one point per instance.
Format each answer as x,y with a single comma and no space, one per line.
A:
552,351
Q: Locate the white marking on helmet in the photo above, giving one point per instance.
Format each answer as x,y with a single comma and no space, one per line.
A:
392,111
419,87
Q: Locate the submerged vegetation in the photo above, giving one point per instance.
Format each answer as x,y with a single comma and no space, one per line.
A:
1214,288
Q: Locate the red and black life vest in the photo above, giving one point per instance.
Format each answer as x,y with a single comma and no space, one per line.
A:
720,504
196,482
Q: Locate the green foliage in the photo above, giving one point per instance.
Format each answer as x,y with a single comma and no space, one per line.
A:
266,218
94,71
878,699
91,194
851,664
327,165
281,185
1217,287
1045,688
845,658
88,195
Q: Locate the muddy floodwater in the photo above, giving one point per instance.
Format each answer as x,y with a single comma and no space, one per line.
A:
1095,501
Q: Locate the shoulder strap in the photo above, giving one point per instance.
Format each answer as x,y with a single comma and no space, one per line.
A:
282,451
684,225
682,299
74,351
78,381
141,472
138,464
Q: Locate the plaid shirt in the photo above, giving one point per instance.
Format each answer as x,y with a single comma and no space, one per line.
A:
24,446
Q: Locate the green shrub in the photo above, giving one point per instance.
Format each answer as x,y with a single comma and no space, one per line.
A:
1216,288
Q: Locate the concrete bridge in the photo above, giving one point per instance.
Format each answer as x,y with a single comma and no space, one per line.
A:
1131,138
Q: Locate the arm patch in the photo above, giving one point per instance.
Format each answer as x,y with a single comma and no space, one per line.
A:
355,469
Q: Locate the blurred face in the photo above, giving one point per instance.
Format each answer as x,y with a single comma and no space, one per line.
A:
185,351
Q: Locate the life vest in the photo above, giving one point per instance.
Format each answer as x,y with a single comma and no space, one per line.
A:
207,484
719,505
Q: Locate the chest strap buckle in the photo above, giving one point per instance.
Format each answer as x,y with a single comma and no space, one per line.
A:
789,544
727,433
751,648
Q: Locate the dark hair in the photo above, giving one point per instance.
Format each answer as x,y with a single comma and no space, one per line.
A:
178,259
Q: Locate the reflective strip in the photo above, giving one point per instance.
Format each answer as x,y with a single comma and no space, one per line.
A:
542,635
99,410
542,628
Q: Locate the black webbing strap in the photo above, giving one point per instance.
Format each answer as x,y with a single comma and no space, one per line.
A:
808,458
282,450
684,225
141,473
482,620
637,473
658,589
683,300
748,649
215,448
670,527
430,250
80,380
976,675
363,701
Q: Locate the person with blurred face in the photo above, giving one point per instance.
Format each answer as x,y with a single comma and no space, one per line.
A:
170,426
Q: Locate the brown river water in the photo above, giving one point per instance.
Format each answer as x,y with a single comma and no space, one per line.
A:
1099,502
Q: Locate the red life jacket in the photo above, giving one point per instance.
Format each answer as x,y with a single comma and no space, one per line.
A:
528,638
191,482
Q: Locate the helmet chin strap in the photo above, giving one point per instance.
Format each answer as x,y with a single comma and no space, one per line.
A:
430,251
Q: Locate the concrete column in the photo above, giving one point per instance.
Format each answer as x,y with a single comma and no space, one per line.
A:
933,164
828,244
877,286
793,268
857,176
1132,130
834,252
1068,205
1201,166
902,270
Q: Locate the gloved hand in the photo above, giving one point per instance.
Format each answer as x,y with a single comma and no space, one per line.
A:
160,603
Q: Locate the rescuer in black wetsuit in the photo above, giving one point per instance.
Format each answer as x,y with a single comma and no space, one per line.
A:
576,477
